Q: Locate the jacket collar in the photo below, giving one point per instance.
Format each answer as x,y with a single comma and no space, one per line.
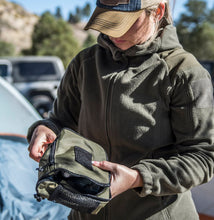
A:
167,40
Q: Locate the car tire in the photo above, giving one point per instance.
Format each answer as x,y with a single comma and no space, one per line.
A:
42,104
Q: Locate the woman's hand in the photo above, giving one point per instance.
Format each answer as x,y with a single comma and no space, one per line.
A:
42,136
122,179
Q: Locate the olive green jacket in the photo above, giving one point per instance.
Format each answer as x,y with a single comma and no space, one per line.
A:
151,108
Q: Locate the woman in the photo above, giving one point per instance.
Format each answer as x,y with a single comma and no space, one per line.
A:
149,104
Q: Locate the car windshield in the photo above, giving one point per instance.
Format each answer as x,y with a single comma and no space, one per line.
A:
34,71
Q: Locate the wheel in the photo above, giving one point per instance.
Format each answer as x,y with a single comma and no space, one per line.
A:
42,104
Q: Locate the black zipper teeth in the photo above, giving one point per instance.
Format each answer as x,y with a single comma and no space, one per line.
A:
52,153
51,157
89,178
77,175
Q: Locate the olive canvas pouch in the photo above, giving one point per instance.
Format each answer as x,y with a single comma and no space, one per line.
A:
66,174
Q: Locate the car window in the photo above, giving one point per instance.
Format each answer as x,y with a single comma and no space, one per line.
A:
209,65
4,70
34,71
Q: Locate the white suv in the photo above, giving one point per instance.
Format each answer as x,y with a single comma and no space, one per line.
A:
36,77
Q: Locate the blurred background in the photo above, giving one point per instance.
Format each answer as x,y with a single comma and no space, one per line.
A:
55,28
38,39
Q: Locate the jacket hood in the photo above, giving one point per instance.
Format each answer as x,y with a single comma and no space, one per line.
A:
167,40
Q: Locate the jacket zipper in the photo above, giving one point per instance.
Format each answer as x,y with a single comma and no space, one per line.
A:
108,108
107,120
107,113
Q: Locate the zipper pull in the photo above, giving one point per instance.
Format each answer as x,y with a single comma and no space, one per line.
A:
41,169
51,157
37,197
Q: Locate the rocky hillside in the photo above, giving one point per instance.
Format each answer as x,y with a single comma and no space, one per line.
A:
16,26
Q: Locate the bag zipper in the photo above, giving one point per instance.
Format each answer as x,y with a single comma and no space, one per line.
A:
51,157
52,153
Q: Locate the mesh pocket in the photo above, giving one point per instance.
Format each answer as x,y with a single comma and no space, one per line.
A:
72,200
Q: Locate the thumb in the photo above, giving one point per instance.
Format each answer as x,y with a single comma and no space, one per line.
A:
105,165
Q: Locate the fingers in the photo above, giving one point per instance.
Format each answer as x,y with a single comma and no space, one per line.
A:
37,148
105,165
122,178
36,153
41,138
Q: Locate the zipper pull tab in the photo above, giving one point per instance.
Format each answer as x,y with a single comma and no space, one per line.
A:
51,157
40,169
37,197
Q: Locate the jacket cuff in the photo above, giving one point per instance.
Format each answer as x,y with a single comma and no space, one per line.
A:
147,187
46,122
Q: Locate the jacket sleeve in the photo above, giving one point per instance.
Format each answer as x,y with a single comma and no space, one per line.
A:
189,161
66,106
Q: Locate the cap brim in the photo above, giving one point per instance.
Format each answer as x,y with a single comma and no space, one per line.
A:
112,23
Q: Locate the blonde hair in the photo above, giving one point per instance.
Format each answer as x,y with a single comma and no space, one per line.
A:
167,18
151,13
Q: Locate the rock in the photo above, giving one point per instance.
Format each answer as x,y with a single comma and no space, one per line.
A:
16,25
